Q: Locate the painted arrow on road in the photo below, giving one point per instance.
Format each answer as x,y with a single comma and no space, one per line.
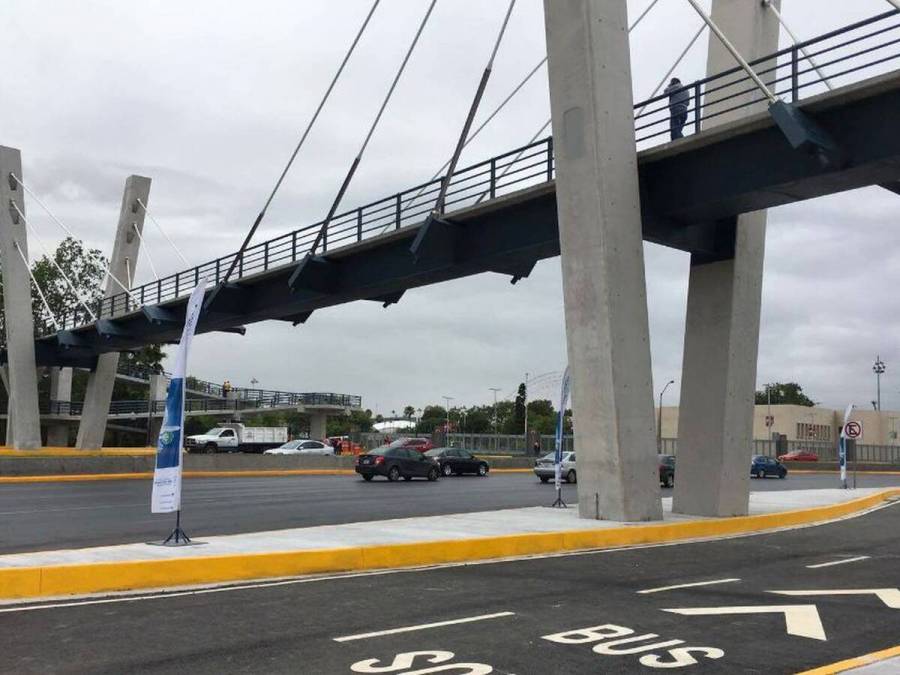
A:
800,620
889,596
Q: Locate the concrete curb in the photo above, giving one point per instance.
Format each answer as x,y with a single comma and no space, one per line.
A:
62,580
261,473
856,662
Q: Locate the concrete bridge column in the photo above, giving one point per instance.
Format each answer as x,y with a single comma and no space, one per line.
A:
715,426
23,418
61,391
123,263
602,259
318,425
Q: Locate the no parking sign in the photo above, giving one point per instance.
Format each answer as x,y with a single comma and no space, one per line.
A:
853,430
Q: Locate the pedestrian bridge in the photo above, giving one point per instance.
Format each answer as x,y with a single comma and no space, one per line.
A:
501,213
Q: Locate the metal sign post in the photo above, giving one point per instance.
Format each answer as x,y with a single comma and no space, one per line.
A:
557,469
848,430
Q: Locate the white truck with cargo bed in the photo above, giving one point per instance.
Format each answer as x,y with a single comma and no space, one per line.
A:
235,437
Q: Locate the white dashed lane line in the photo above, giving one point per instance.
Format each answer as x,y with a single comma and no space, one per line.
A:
838,562
423,626
691,585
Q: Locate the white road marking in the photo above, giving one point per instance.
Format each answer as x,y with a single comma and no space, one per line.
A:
838,562
696,583
889,596
422,626
800,620
24,605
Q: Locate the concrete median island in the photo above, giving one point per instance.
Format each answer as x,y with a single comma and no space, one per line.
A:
408,542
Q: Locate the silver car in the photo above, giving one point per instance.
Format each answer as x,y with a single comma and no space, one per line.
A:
544,467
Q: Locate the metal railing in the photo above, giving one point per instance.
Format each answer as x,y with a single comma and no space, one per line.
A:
195,405
265,397
871,45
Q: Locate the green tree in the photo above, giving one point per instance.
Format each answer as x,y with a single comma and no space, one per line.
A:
781,393
409,412
519,413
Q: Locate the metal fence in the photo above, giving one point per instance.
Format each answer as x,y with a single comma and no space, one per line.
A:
870,46
826,451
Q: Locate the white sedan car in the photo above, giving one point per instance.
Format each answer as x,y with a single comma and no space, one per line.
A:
302,447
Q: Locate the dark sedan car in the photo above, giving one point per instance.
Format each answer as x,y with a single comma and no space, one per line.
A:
458,461
667,470
397,463
762,466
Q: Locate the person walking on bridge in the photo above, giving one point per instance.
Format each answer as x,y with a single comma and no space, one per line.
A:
678,107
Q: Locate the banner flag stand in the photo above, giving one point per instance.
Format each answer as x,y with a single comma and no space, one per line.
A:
166,496
563,398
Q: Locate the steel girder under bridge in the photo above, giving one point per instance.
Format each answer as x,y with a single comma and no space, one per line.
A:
502,212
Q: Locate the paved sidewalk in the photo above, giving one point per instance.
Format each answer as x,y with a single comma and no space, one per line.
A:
457,527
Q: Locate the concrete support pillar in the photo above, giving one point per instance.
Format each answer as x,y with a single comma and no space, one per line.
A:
602,259
318,425
123,263
24,416
60,391
721,342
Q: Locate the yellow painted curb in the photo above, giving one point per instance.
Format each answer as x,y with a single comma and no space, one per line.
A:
856,662
56,580
73,452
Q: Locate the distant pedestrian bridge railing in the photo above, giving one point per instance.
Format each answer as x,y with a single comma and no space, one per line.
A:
855,52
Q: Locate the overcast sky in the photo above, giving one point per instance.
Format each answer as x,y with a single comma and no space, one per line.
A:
207,98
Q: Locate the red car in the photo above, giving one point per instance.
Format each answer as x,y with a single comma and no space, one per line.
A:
420,444
799,456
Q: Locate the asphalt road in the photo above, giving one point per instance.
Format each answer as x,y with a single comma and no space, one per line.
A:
46,516
573,614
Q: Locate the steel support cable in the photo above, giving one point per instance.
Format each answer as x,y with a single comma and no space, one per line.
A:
72,235
306,131
358,158
37,286
146,250
473,109
768,5
163,232
502,105
742,62
53,262
547,123
674,66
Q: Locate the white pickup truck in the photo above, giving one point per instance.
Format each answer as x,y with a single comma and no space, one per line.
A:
235,437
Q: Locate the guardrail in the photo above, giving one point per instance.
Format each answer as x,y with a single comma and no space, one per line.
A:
263,396
862,46
194,405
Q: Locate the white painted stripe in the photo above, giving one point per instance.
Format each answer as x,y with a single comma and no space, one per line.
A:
838,562
423,626
693,585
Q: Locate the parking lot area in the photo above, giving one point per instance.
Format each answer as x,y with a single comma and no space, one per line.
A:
781,602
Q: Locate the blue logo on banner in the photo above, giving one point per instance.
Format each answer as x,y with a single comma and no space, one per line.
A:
168,450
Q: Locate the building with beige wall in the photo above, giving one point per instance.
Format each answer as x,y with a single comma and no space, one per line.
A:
802,423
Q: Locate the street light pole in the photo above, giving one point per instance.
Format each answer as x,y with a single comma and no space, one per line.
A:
878,369
447,400
526,413
496,441
659,418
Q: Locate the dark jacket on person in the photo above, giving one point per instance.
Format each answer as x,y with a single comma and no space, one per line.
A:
678,98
